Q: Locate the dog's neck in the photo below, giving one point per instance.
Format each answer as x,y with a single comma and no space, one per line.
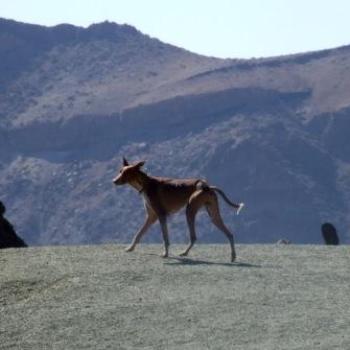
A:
140,182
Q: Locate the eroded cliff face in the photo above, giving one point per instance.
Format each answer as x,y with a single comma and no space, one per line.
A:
269,132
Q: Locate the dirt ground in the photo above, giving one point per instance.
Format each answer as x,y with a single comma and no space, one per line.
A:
99,297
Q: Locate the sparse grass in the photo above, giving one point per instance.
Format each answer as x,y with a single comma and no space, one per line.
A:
99,297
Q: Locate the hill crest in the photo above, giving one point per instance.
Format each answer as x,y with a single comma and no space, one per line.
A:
271,132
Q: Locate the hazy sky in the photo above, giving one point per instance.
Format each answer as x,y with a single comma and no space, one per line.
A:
222,28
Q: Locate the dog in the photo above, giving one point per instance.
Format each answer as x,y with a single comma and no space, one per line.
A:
165,196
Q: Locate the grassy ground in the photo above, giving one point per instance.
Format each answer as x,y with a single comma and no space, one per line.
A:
99,297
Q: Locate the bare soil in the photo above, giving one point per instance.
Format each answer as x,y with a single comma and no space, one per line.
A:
99,297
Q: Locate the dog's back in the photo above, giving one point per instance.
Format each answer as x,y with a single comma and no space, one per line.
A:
171,194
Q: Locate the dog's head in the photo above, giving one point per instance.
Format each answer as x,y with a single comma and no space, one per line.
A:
128,173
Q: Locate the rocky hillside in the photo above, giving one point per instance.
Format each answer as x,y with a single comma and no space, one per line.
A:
270,132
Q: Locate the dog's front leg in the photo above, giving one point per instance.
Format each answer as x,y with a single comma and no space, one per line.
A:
151,219
164,227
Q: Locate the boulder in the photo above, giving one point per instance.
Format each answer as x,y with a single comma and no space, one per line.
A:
8,236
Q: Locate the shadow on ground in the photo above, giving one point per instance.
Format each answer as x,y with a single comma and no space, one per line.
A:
174,260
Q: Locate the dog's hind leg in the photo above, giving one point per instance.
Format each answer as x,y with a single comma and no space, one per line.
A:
150,220
213,210
195,202
164,227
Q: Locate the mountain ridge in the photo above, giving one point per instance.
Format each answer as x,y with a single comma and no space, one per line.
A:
271,132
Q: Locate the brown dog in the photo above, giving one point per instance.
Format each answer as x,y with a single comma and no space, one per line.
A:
164,196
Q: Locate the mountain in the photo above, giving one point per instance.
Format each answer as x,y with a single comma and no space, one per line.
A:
272,132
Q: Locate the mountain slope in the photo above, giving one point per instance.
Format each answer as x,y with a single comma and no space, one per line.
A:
270,132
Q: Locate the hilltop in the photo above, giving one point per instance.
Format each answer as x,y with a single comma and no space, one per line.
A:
98,297
272,132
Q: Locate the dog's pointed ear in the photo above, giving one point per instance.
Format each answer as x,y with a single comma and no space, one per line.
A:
125,162
140,164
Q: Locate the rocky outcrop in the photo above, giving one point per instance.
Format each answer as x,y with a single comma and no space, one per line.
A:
330,234
8,236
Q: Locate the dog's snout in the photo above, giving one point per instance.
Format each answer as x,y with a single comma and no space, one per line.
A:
117,181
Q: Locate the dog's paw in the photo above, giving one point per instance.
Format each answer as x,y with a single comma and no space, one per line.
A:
183,253
130,248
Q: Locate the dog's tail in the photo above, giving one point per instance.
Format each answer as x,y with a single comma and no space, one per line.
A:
238,207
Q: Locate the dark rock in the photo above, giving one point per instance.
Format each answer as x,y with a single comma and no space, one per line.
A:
329,234
8,236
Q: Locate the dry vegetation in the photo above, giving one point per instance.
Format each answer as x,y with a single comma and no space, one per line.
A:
99,297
